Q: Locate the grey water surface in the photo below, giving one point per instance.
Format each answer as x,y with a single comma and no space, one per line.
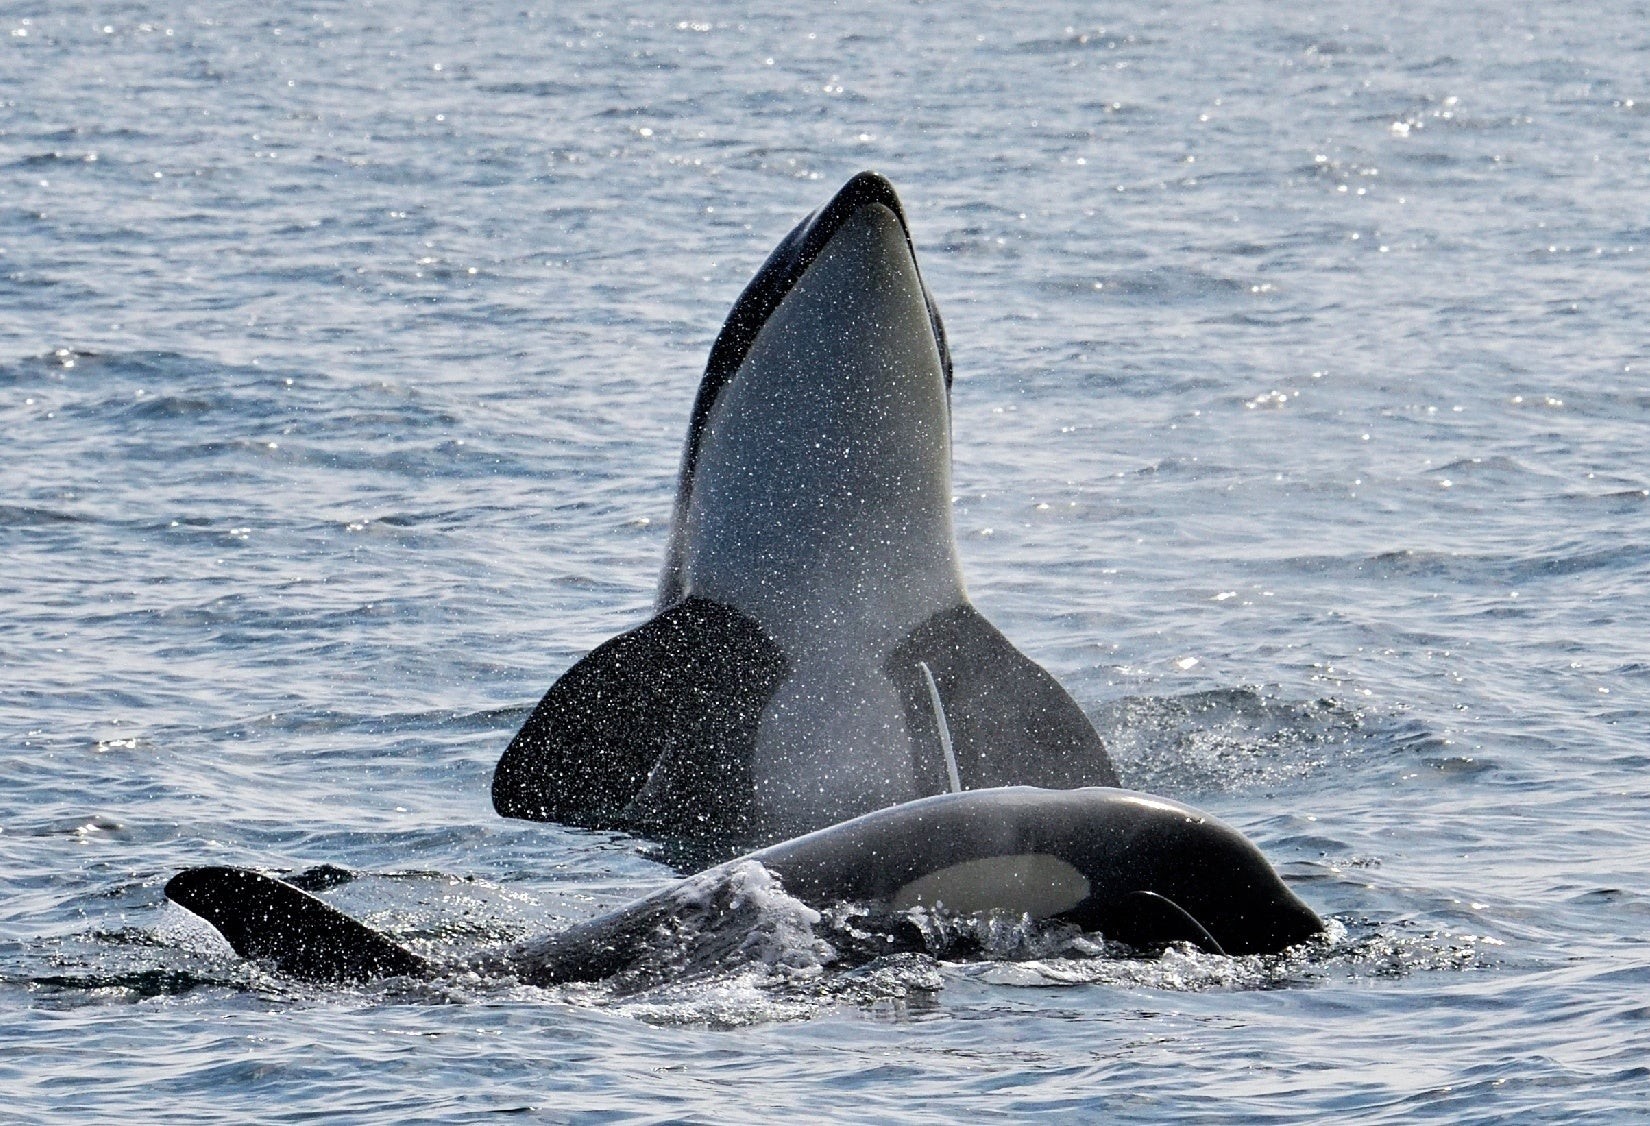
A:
1301,421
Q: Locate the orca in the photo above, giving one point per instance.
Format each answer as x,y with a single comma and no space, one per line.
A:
814,654
1141,870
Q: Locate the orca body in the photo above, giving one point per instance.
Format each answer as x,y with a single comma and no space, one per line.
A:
1141,870
814,655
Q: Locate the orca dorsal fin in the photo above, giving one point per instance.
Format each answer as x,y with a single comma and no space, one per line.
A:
654,728
1007,721
305,937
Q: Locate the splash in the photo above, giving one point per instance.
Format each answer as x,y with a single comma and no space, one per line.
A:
1234,739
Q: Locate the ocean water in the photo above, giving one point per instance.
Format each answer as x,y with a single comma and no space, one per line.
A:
345,356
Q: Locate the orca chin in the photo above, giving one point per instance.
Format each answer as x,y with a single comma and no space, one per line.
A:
814,655
1143,871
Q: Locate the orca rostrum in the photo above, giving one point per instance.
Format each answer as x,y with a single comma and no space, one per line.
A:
814,655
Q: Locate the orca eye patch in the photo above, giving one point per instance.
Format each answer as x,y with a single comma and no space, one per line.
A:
1034,884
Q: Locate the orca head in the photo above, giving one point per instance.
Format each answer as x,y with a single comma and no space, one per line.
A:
1176,874
1143,870
815,482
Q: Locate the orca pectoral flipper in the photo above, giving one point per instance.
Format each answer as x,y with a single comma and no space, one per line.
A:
1010,722
306,938
671,706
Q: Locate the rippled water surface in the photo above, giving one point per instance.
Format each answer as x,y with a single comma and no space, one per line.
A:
345,355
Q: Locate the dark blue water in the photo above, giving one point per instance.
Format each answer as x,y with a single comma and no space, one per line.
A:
345,354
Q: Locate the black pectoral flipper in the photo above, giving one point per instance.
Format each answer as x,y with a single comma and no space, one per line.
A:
306,938
1010,722
652,730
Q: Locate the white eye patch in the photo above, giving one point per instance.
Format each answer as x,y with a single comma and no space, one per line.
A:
1035,884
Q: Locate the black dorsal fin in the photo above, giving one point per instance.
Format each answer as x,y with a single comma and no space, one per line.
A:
265,919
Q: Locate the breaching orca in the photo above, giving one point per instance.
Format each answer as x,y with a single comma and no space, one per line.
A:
814,655
1141,870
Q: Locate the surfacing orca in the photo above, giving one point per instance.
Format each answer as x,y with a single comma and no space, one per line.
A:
814,655
1141,870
